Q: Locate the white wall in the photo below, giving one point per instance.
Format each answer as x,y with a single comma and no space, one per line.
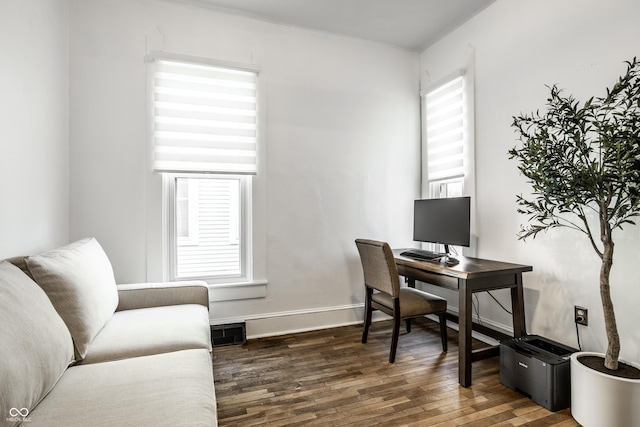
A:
341,148
34,124
520,47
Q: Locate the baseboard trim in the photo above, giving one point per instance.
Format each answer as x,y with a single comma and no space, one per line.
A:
499,328
294,321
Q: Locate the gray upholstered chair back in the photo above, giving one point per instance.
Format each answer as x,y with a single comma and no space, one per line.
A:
379,266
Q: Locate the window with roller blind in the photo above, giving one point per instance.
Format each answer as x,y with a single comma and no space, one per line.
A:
204,127
448,140
447,165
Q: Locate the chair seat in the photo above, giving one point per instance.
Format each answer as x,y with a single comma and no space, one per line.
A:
413,302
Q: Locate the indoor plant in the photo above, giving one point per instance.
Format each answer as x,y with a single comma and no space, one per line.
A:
583,163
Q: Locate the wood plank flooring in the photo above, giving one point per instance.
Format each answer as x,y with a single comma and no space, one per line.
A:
329,378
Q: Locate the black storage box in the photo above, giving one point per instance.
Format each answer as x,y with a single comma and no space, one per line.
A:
539,368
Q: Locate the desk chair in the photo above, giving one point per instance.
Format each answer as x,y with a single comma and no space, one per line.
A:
383,292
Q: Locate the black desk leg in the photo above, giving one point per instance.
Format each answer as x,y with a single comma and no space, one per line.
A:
517,306
464,333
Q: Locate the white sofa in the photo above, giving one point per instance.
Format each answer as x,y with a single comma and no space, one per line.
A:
78,350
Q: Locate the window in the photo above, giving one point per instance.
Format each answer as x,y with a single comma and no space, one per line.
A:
209,226
204,126
448,148
444,119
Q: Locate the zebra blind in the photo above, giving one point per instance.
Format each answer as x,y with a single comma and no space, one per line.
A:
445,131
204,118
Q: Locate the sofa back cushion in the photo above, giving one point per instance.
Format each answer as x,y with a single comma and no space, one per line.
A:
36,345
78,278
21,263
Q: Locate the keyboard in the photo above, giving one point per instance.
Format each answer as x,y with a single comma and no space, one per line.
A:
422,254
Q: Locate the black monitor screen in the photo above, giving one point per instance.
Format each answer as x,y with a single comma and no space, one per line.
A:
446,221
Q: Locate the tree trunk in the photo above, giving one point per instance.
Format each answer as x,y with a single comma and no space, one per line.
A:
613,346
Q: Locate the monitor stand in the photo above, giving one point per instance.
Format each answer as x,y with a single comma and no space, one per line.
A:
447,259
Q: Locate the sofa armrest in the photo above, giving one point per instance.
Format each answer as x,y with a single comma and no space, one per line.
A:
144,295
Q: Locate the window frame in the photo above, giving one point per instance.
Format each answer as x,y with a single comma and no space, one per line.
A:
170,239
254,285
245,229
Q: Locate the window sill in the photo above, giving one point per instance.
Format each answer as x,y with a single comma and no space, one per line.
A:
237,291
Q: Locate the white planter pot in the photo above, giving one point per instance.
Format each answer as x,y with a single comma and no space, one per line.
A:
599,399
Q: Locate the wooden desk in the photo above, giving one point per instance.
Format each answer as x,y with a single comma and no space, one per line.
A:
468,276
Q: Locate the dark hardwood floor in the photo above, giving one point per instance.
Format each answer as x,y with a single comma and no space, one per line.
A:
329,378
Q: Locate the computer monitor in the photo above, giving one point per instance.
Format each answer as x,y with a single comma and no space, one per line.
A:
446,221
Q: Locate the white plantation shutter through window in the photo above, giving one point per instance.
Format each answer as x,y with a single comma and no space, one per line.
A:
445,131
204,118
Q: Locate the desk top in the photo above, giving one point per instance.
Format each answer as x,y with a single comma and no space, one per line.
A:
467,268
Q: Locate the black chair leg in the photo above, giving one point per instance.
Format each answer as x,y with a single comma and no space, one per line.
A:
394,339
396,329
408,322
443,330
367,315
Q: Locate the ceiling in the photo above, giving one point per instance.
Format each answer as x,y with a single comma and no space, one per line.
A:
407,24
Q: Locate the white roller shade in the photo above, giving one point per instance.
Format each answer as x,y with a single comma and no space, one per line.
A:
204,118
445,130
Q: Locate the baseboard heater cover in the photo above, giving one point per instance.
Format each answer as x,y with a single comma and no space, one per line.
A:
229,334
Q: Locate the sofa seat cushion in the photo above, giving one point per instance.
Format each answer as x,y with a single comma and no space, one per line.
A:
35,344
145,331
169,389
79,281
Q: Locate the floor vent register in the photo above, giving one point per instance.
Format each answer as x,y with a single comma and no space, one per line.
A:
230,334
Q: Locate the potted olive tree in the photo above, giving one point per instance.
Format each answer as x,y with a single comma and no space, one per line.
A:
582,161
